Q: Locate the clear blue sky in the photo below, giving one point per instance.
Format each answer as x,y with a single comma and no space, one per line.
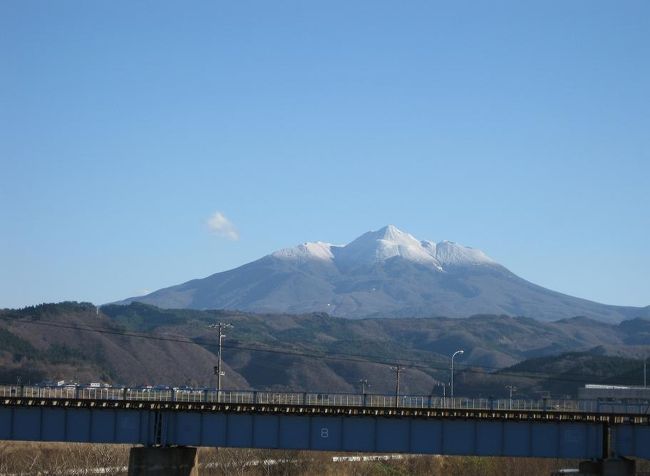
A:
520,128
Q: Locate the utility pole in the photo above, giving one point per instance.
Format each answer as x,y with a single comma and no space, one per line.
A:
217,370
512,388
444,391
645,374
444,388
397,369
364,384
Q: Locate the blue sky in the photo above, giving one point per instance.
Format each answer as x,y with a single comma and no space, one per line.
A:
520,128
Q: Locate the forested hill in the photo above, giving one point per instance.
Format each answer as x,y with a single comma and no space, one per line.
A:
138,344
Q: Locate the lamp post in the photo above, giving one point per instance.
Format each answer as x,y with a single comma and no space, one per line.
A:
220,327
460,351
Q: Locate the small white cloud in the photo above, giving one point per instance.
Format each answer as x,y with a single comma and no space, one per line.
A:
220,225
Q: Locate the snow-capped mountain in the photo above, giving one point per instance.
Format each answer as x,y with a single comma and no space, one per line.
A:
383,273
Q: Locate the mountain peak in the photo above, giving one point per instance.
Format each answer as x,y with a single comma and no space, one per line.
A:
390,241
385,243
391,232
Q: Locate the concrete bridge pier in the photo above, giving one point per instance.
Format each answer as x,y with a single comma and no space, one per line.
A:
608,467
609,464
163,461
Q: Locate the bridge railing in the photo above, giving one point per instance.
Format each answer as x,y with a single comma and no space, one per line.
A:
167,394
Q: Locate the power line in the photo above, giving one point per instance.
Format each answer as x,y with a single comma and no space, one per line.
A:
339,356
357,358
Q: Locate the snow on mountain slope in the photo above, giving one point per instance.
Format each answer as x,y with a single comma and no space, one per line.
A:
450,253
389,242
318,251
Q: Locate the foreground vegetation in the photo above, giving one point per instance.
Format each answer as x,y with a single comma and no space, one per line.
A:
64,458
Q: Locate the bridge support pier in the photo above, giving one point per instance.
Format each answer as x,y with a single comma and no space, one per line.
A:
163,461
608,467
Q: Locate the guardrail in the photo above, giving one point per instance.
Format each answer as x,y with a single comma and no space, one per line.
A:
211,395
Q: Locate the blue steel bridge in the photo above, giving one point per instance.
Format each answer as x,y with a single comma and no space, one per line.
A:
424,424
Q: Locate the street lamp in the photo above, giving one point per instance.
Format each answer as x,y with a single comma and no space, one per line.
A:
460,351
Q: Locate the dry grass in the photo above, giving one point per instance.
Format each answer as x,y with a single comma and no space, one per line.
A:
285,463
62,458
